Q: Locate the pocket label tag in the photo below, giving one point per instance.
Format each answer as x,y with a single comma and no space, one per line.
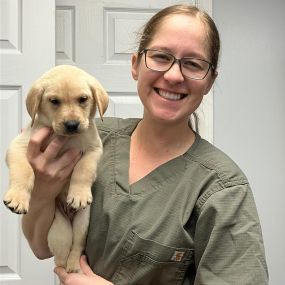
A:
177,256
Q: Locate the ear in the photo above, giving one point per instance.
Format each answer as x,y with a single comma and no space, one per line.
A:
33,100
135,66
100,97
211,82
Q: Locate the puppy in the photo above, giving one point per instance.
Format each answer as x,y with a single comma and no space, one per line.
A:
65,99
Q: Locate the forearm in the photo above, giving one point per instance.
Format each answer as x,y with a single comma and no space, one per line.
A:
36,224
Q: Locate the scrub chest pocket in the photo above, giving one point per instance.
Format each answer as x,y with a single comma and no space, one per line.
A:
145,261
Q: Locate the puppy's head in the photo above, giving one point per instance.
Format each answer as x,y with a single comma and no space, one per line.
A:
66,98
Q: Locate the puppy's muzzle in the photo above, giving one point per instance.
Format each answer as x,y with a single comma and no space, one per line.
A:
71,126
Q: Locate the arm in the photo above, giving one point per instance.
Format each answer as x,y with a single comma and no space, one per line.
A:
51,173
36,224
228,240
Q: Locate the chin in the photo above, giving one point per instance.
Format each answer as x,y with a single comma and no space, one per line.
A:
166,118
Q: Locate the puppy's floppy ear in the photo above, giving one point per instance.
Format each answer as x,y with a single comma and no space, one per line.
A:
100,96
33,100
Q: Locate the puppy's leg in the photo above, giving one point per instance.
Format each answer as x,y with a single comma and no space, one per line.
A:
80,228
84,174
60,238
21,182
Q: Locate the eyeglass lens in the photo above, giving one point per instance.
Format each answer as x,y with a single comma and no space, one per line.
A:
163,61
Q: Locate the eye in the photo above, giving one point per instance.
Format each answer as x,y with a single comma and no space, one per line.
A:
54,101
161,57
82,99
194,64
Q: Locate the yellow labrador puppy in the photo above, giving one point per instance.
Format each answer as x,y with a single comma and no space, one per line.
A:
65,98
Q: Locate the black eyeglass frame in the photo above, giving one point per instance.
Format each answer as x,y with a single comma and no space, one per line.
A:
178,60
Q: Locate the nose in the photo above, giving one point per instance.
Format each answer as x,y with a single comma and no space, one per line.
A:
174,74
71,126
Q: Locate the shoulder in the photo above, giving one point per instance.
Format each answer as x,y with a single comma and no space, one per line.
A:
217,174
116,126
213,159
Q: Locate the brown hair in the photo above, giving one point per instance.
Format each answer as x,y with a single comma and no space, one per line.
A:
212,37
151,27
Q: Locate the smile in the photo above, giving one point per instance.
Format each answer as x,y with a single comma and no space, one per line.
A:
169,95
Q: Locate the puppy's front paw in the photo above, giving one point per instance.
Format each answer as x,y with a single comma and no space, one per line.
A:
73,266
79,199
17,201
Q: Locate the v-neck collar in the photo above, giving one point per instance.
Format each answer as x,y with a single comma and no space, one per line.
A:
154,180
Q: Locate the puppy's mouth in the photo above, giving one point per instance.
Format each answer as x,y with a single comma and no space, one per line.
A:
68,128
170,95
71,133
66,133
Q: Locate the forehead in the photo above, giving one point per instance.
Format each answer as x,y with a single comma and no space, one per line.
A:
181,34
67,86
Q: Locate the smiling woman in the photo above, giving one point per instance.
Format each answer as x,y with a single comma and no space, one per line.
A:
163,74
168,207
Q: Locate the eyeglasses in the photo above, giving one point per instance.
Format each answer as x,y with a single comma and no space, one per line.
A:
193,68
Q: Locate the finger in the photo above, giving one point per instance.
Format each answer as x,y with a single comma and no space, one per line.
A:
65,165
84,266
61,273
36,142
54,147
69,157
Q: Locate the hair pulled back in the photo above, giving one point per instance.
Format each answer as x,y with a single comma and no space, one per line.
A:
212,34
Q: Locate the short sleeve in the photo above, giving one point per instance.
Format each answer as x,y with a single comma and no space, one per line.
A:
228,240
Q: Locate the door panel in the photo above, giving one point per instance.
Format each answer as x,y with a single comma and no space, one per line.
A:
100,36
26,51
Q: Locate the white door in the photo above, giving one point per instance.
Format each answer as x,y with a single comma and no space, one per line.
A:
100,36
26,51
96,35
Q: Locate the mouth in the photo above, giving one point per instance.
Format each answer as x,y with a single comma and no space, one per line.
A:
170,95
65,133
71,133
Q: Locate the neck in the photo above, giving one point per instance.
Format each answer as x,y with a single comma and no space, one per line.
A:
160,137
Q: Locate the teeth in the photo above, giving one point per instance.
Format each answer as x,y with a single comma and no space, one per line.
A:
170,96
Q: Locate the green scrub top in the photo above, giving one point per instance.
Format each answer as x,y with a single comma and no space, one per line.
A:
192,220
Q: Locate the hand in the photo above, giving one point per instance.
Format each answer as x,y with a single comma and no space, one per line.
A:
87,277
50,168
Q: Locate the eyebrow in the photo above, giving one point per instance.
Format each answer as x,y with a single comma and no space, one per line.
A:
166,49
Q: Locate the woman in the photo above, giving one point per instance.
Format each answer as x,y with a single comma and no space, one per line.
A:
169,208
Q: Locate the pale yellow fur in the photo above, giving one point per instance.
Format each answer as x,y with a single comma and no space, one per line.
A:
68,85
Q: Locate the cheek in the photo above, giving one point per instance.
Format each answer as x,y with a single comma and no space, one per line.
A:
143,82
140,91
47,110
91,111
196,95
199,87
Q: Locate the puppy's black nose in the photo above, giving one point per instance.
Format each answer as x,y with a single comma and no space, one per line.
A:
71,126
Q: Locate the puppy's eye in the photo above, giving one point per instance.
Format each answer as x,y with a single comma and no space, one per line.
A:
54,101
82,99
